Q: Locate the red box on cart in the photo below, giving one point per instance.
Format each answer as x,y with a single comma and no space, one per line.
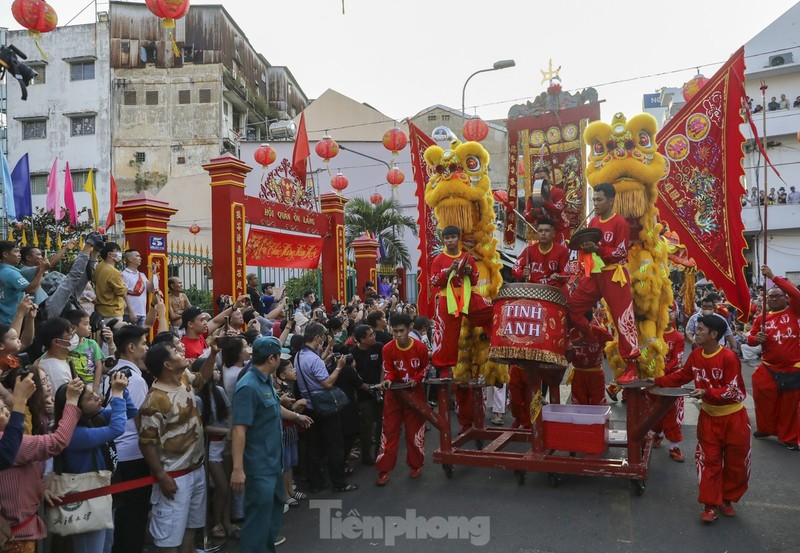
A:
579,428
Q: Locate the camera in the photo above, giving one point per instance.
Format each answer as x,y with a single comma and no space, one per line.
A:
9,62
348,358
111,362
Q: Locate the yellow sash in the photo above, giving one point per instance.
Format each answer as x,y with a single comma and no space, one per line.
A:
721,410
619,273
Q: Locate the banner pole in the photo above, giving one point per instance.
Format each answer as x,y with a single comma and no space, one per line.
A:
766,198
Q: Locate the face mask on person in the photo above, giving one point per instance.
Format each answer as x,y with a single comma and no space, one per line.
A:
116,256
707,311
73,342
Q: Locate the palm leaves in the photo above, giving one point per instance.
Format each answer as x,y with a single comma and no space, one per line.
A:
385,220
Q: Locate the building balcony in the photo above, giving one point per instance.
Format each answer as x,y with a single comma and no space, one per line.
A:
779,217
780,122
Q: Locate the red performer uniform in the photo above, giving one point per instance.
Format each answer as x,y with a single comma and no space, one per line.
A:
554,209
542,265
447,321
588,381
612,283
777,409
670,423
722,457
403,365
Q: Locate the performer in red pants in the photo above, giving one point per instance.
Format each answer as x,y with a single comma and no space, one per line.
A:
455,273
611,281
723,429
670,424
543,262
404,360
588,380
776,382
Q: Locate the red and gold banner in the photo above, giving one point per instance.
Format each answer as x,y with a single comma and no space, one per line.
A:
429,244
237,244
555,137
700,198
272,249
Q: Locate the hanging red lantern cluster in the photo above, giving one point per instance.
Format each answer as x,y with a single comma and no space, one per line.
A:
265,155
475,129
375,199
339,182
395,176
394,140
327,148
693,86
194,229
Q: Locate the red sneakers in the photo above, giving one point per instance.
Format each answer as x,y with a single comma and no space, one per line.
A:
415,473
383,479
727,509
676,455
709,514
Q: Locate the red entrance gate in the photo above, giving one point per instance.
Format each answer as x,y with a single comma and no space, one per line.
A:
232,209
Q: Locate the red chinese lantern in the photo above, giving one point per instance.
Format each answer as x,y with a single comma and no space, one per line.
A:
265,155
375,199
395,177
35,15
339,183
394,140
475,129
168,10
500,196
693,86
327,148
194,229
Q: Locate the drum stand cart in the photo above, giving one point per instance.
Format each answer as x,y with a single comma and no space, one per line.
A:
644,410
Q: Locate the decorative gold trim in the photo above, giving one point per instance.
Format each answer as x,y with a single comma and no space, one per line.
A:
512,355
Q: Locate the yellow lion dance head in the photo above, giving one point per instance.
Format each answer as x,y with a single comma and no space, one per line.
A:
459,185
624,154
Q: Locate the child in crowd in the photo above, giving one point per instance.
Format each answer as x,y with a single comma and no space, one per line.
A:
87,357
285,382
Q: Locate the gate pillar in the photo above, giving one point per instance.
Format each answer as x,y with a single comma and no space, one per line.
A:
146,219
228,215
366,252
333,268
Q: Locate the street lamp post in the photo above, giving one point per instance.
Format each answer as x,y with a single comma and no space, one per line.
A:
502,64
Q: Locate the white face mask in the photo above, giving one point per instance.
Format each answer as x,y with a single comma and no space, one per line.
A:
117,256
73,342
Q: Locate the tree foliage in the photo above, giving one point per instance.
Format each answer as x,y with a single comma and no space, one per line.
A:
385,220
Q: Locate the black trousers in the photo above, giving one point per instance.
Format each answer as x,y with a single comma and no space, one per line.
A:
131,509
371,426
325,441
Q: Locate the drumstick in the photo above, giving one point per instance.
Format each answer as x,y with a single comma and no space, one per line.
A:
520,215
585,221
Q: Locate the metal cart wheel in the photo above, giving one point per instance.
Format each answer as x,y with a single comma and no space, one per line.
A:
553,479
448,471
638,487
520,476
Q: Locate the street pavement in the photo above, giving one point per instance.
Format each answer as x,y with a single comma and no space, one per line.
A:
485,508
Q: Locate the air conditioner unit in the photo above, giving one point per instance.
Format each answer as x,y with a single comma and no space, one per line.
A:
780,59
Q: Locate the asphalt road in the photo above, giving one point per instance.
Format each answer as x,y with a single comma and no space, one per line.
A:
485,509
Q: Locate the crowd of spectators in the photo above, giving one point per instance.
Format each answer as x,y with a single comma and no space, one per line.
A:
101,389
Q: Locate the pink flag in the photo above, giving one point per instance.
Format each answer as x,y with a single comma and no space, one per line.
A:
53,201
69,198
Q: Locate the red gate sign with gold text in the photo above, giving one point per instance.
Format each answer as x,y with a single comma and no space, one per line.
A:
272,249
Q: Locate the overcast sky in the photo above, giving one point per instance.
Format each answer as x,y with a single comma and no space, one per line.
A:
405,55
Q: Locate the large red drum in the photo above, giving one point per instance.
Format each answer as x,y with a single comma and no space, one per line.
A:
529,324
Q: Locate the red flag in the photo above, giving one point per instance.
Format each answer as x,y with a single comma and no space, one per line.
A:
700,198
428,243
69,196
301,151
112,210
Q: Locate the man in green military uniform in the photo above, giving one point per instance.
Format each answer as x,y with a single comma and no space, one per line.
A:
257,448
